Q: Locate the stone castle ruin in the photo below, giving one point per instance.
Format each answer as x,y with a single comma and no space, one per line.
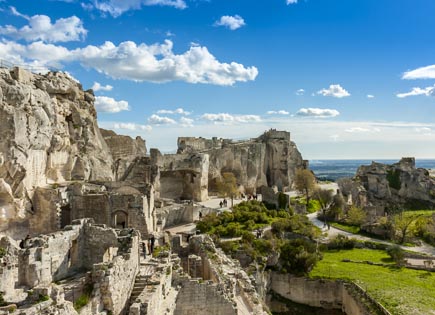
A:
76,202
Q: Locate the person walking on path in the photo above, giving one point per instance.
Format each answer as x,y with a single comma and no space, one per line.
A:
152,241
144,249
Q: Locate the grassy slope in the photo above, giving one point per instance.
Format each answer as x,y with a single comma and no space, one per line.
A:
401,291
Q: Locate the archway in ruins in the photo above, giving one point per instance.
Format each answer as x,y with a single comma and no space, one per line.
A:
120,219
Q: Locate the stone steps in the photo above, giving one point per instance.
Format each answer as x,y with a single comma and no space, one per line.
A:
142,279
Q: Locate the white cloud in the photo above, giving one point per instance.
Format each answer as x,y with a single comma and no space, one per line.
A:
428,91
317,112
132,126
231,22
334,90
362,130
279,112
425,131
292,2
179,111
300,92
160,120
109,105
370,96
186,122
153,63
118,7
41,28
98,87
427,72
229,118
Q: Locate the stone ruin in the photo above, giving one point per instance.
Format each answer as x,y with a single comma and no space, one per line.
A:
389,186
87,197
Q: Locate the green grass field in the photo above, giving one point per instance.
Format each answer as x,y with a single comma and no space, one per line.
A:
345,227
401,291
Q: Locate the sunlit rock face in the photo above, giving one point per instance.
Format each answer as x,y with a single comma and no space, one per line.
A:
269,160
48,135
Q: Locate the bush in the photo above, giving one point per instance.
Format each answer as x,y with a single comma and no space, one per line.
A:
298,256
81,302
2,252
393,178
341,242
397,254
356,216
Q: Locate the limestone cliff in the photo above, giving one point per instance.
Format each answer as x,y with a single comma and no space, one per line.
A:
48,135
271,159
124,150
398,184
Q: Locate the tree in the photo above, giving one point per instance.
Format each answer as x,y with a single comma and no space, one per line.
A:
227,186
402,224
397,254
324,197
356,216
305,182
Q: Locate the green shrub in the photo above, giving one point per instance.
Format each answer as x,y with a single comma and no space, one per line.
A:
397,254
298,256
2,252
341,242
82,301
393,178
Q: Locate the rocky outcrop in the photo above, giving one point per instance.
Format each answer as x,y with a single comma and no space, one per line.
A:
48,135
269,160
400,184
124,150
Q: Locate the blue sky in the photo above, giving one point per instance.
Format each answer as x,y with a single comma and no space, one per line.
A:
348,79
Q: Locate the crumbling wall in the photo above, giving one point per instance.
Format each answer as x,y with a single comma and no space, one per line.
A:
197,298
114,280
124,150
184,176
271,159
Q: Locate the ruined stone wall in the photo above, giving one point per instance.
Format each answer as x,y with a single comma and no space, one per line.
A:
124,150
184,176
397,184
190,144
271,159
326,294
49,258
114,280
195,298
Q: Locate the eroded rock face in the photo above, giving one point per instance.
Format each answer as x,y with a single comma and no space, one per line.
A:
271,159
48,134
398,184
124,150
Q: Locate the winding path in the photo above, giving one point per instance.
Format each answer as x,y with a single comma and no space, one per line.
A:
333,232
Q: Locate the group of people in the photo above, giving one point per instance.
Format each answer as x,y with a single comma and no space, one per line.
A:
223,203
148,245
249,197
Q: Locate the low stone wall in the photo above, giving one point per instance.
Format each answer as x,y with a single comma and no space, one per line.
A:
326,294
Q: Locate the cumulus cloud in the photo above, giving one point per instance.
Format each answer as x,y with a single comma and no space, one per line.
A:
370,96
279,112
229,118
425,131
109,105
118,7
98,87
300,92
132,126
153,63
186,122
179,111
362,130
41,28
428,91
292,2
160,120
334,90
231,22
427,72
317,112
